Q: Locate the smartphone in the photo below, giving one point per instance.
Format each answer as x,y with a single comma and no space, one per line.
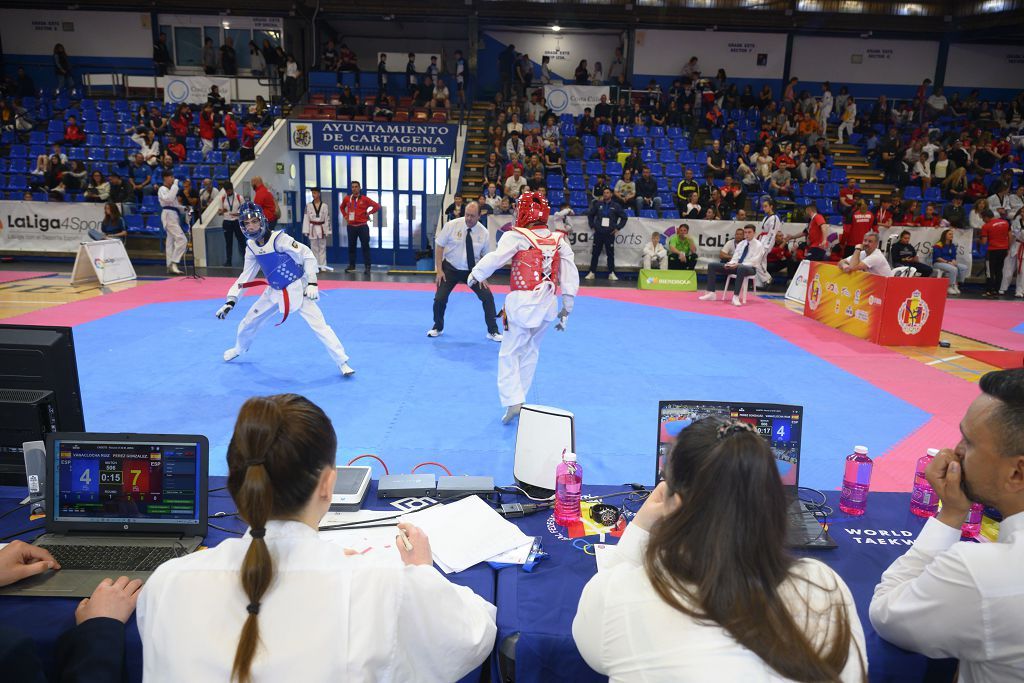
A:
350,488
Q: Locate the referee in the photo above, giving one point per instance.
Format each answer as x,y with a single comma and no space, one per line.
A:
457,248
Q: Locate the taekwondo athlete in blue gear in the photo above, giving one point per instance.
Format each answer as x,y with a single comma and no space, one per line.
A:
290,269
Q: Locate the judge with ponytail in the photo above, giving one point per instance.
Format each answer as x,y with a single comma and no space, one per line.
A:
281,604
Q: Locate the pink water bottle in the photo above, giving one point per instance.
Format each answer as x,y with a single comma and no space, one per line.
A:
568,487
924,502
972,525
856,480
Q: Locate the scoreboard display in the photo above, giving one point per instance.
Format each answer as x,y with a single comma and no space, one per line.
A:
119,479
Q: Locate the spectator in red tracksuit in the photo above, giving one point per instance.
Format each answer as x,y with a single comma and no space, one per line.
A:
249,134
229,128
862,221
995,233
207,128
73,135
180,123
356,209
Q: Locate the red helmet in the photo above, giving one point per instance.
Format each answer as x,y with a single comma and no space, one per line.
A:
532,208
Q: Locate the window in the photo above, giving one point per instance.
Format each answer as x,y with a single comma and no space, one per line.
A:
441,175
309,164
373,172
325,170
418,172
341,172
188,46
240,38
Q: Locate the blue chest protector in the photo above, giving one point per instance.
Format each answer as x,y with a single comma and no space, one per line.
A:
279,268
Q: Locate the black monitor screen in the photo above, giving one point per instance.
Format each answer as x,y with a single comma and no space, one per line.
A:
781,426
120,481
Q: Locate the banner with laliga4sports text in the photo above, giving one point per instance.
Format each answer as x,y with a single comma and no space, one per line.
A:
47,226
374,137
192,89
573,99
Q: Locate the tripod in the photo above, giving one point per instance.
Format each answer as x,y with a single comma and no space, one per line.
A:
189,250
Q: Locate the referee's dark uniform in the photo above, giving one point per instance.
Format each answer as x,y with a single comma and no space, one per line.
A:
461,246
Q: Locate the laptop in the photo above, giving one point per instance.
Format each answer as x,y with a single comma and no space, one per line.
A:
782,427
118,505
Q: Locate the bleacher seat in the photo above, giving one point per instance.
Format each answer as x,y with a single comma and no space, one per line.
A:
593,168
648,213
933,194
579,200
912,192
19,166
133,222
153,226
556,198
150,204
576,182
671,214
614,169
194,157
555,182
838,175
574,167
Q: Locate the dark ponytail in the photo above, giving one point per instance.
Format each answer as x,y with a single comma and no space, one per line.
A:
280,447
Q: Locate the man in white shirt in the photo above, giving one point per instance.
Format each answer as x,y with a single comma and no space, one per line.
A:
655,255
944,598
730,246
515,184
869,258
229,203
174,248
825,107
743,264
457,248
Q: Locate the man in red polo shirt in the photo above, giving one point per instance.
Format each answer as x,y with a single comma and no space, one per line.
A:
264,198
356,209
816,244
861,222
996,234
929,219
848,198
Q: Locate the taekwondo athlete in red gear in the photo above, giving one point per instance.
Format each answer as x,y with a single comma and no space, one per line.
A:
541,261
290,269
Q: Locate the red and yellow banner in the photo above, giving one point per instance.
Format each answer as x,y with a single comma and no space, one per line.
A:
888,311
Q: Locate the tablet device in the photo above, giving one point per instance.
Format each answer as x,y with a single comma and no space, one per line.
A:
350,488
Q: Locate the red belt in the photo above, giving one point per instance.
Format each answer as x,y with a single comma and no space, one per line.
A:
261,283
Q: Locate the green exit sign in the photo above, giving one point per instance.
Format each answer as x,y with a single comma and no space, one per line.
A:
280,167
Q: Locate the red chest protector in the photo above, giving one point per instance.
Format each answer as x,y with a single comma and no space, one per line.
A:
539,263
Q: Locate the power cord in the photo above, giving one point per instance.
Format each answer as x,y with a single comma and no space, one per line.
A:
370,455
22,532
446,470
19,506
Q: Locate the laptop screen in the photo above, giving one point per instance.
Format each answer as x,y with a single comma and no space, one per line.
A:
118,482
781,426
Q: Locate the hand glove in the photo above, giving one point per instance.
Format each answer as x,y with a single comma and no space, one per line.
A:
223,311
563,317
312,292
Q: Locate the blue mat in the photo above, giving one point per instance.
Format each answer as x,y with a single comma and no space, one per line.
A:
159,369
1019,329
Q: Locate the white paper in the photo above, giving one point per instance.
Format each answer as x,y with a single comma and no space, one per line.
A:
377,543
466,532
602,552
515,556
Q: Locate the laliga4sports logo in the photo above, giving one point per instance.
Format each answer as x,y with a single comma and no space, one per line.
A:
102,263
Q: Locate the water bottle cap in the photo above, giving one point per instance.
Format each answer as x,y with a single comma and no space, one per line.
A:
569,457
863,450
933,452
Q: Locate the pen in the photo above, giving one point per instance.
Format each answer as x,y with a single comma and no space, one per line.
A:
405,539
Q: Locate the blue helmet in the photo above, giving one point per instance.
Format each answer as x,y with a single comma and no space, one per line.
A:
252,221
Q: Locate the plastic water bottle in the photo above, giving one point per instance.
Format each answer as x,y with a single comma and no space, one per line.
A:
856,480
972,526
568,486
924,502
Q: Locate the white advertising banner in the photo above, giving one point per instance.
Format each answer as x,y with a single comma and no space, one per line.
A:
742,55
56,227
192,89
83,34
925,238
564,48
859,60
103,261
573,99
985,66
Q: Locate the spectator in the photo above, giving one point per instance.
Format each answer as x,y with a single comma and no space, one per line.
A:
634,162
940,580
161,56
911,214
742,264
149,146
729,248
581,76
861,222
780,183
257,65
73,135
605,218
432,70
207,129
625,189
215,99
597,192
995,234
491,197
904,253
553,162
733,198
682,251
37,176
209,57
538,183
329,57
457,209
954,214
654,255
248,140
780,258
545,70
356,209
848,197
112,226
946,261
460,77
269,58
937,103
411,78
98,189
715,163
817,238
513,164
848,119
524,74
291,79
264,198
763,163
515,184
617,68
685,190
24,85
382,73
281,487
207,190
189,199
929,219
228,210
62,68
229,131
869,258
647,192
441,96
514,147
348,62
228,58
493,169
120,191
507,68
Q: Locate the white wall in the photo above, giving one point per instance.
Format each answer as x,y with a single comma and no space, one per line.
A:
663,53
856,60
566,49
985,66
83,34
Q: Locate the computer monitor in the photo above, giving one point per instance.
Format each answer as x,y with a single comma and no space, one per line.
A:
35,360
781,426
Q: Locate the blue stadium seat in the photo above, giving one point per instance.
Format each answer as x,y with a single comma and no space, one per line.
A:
675,132
19,166
233,158
657,131
830,190
36,150
648,155
622,131
221,173
194,157
671,214
639,131
575,182
594,168
76,154
150,204
688,157
579,199
556,198
37,137
153,225
134,223
648,213
555,182
822,176
574,167
604,129
912,192
662,184
40,196
662,144
825,206
839,175
667,156
614,169
215,157
811,190
933,194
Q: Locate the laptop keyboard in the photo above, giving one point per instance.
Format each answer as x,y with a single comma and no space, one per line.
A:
117,558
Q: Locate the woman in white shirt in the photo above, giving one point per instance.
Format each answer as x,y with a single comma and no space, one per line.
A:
282,604
149,146
701,586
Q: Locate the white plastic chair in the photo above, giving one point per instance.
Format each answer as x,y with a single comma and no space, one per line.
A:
904,271
749,280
